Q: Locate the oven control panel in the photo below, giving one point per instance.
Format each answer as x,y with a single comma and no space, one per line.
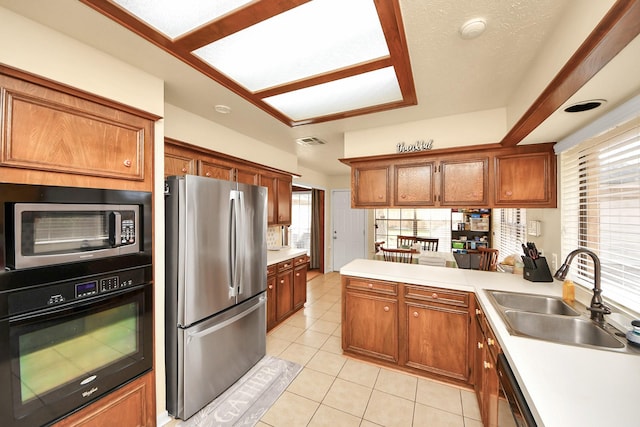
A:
74,290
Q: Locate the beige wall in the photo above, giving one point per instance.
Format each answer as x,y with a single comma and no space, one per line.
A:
577,21
481,127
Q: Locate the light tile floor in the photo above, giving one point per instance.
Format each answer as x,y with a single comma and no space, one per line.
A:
334,390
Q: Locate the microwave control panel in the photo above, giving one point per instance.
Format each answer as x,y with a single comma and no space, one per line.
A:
128,232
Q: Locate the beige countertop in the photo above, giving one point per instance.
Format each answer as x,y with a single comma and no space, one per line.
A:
283,254
564,385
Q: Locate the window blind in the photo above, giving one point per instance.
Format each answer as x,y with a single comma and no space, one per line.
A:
509,231
601,210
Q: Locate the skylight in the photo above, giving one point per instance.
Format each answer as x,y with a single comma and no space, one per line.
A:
308,40
300,61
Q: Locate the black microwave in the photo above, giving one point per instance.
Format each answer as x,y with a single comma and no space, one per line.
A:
44,225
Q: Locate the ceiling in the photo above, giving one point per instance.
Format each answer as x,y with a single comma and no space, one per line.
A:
451,75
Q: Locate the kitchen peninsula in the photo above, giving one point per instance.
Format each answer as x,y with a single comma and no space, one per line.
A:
557,380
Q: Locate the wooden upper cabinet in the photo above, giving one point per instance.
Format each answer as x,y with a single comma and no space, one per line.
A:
56,135
527,178
414,184
181,158
489,177
247,177
176,164
284,201
279,198
214,170
371,186
464,182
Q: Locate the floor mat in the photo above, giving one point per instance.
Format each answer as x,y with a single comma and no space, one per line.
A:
245,402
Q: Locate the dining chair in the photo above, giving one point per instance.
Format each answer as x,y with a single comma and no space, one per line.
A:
398,255
488,259
428,243
405,242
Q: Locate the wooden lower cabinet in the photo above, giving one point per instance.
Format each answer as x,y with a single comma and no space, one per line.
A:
132,405
435,331
370,318
271,297
286,289
486,382
419,329
299,282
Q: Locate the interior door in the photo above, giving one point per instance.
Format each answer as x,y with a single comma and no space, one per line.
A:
349,230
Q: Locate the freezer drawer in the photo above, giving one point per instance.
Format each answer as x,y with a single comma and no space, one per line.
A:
214,354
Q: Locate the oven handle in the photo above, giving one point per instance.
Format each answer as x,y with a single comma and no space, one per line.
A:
521,412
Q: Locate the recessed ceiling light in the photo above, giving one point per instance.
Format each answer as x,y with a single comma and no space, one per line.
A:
222,109
584,106
473,28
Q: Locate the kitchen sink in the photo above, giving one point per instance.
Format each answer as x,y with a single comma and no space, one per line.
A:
568,330
549,318
532,303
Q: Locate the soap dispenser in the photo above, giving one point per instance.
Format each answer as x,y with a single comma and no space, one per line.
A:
568,291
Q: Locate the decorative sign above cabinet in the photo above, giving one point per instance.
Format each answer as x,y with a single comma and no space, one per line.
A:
416,146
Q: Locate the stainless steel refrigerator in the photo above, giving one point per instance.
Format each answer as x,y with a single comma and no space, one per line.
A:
216,263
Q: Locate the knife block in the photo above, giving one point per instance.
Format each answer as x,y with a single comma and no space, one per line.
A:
536,270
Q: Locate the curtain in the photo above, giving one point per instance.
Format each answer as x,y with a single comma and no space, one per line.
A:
316,207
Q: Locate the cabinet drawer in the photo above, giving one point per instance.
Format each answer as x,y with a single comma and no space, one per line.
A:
373,285
285,265
442,296
300,260
271,269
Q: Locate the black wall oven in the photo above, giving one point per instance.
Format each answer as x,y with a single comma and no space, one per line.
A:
71,329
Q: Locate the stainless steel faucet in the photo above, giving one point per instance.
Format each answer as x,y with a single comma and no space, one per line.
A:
597,307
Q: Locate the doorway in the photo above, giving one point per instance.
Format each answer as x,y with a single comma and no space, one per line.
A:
349,230
307,224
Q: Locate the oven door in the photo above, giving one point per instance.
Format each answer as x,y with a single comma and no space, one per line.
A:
514,411
59,360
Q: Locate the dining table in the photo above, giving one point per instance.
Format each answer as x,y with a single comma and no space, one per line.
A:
438,259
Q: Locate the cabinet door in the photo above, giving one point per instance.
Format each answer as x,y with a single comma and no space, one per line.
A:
247,177
270,182
370,186
299,286
479,376
284,297
414,184
177,164
438,339
371,325
132,405
271,302
464,182
213,170
49,130
525,180
283,201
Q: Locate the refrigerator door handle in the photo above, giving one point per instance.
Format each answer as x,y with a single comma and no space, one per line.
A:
232,244
241,238
218,326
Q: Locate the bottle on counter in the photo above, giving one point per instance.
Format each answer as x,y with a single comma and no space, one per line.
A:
568,291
